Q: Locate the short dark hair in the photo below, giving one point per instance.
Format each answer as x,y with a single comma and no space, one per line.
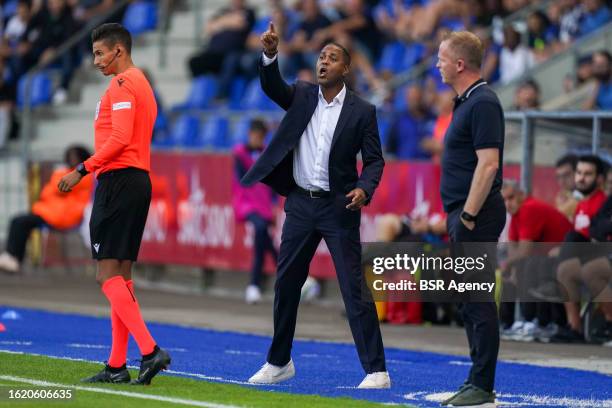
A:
345,52
112,33
530,83
81,151
599,164
27,3
570,159
604,53
258,125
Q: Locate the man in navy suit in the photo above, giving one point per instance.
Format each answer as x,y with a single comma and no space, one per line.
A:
312,160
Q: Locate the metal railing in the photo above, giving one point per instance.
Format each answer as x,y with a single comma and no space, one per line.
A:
528,120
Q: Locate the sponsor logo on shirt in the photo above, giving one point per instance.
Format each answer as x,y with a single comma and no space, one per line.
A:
582,221
98,109
122,105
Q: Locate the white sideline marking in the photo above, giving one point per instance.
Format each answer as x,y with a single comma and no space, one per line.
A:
180,401
15,343
87,346
246,353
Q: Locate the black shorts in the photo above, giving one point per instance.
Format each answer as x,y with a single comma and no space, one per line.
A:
576,245
119,214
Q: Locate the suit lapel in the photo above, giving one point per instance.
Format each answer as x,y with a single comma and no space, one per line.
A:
345,114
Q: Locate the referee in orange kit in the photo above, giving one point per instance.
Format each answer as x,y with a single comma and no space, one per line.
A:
123,129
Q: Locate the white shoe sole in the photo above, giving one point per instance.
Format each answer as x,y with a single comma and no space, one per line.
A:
485,405
376,387
275,380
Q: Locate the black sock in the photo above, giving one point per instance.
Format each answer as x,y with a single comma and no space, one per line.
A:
116,369
152,354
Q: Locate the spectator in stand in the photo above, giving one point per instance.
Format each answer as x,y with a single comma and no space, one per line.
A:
571,13
281,20
228,31
597,274
48,29
527,96
85,10
527,264
17,25
490,58
254,205
584,72
7,105
515,58
410,128
356,20
567,198
602,72
596,14
590,173
303,45
60,211
444,109
540,34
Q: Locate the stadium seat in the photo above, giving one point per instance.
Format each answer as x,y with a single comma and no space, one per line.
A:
399,99
140,17
240,130
237,92
384,124
184,131
41,91
391,55
9,9
213,134
255,98
202,91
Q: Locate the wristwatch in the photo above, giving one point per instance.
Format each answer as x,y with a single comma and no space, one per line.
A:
81,169
468,217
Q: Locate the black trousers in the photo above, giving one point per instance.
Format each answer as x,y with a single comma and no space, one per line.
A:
480,317
19,232
308,220
263,243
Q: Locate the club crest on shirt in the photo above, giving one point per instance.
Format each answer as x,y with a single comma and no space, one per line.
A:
120,81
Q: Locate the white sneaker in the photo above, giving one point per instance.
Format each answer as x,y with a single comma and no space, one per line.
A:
310,290
271,374
252,294
376,380
9,263
510,334
60,97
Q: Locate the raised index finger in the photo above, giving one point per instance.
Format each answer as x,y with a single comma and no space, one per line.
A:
271,27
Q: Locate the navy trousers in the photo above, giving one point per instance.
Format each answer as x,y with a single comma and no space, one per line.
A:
480,317
308,221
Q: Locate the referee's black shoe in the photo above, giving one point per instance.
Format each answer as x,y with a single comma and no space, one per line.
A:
110,375
151,365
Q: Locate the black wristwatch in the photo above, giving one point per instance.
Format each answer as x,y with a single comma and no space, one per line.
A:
81,169
468,217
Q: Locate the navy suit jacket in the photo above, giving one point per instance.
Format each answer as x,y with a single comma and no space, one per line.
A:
356,131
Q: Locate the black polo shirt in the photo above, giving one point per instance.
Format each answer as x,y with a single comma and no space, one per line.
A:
478,123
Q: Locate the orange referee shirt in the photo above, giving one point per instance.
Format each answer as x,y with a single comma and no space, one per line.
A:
124,124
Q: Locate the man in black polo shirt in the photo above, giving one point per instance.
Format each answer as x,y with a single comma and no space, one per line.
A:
470,189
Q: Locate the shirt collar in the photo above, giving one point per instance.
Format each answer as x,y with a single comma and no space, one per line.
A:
338,99
468,92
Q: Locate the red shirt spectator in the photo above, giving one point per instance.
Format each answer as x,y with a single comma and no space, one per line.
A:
538,221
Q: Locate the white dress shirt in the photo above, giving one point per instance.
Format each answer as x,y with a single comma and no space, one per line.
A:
311,156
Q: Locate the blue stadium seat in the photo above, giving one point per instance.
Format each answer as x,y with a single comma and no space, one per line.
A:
203,90
240,131
399,99
9,9
391,56
41,91
213,134
384,125
412,56
255,98
184,131
237,92
140,17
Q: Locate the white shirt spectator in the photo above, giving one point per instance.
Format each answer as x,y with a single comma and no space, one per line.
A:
514,63
311,156
14,29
